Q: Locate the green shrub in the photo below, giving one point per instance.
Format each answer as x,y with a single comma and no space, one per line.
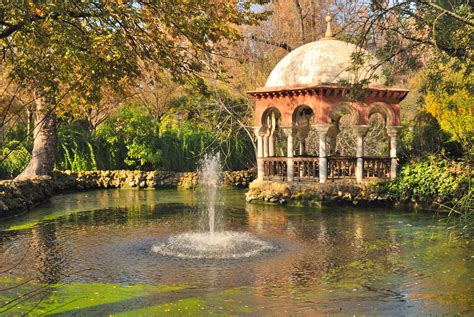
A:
132,139
432,181
76,150
14,158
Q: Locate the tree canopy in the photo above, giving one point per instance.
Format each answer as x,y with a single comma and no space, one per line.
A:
84,46
75,52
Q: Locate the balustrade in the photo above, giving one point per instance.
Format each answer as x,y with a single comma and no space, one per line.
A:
275,167
341,167
306,167
377,167
338,167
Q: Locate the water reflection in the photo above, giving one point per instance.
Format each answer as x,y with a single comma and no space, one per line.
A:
329,261
264,218
49,259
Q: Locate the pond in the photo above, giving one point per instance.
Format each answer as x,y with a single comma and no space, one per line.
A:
92,253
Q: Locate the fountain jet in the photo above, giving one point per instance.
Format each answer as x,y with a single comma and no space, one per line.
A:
212,242
210,181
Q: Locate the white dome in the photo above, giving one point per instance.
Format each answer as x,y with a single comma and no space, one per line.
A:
327,61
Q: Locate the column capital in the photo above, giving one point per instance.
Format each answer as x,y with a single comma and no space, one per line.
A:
361,130
322,128
259,131
393,130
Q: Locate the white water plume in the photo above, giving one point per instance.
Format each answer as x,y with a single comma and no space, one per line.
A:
210,181
212,242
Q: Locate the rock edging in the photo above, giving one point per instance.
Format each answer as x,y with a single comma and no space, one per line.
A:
315,194
151,180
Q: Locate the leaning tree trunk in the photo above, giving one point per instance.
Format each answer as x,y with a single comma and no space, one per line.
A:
44,140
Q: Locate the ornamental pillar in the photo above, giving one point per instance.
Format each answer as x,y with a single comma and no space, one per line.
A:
303,133
271,145
323,161
361,132
332,146
289,154
332,138
302,147
260,163
265,145
392,132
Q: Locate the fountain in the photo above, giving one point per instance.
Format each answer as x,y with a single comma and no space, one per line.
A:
210,176
212,242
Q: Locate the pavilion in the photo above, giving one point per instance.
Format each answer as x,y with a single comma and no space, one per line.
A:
309,89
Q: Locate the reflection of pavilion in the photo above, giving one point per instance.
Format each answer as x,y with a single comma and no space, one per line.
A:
265,218
304,92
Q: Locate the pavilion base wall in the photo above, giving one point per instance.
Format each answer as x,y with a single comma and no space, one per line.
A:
341,192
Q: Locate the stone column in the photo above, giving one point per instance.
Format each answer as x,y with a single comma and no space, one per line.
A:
302,147
265,145
289,154
360,131
323,161
271,145
260,165
332,136
303,133
332,146
392,132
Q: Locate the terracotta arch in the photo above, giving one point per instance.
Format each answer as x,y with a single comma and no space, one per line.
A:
385,110
303,111
270,121
267,113
342,108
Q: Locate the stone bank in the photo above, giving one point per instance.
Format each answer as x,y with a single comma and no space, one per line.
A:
345,192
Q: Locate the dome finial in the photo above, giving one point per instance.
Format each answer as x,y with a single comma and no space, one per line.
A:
328,34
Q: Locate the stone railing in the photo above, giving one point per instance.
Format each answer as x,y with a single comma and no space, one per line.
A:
341,167
306,167
275,167
377,167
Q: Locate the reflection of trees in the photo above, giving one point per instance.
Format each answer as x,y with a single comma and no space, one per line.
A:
351,248
45,254
323,247
264,218
49,258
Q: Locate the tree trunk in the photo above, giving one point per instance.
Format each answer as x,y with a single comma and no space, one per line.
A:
301,17
29,113
44,142
1,136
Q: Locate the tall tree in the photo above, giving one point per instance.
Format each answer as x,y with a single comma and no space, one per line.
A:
435,38
66,51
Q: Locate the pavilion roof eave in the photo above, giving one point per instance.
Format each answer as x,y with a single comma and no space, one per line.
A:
326,89
326,86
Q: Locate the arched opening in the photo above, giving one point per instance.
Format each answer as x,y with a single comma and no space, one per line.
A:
341,139
384,110
303,117
376,141
272,136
